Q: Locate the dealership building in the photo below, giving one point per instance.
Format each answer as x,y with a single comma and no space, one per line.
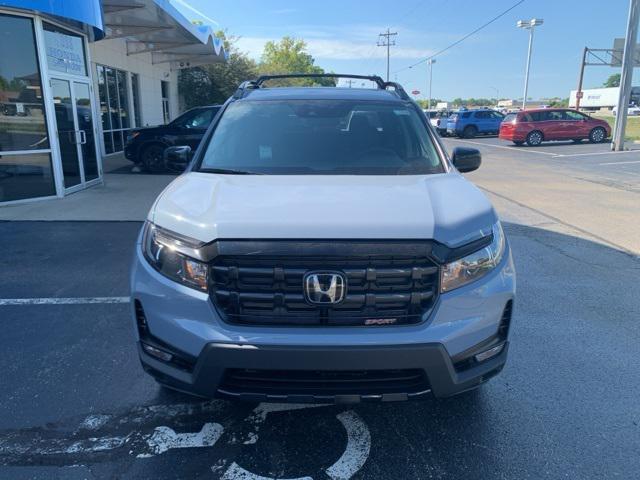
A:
77,75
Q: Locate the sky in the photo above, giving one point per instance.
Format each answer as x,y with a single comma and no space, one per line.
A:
342,36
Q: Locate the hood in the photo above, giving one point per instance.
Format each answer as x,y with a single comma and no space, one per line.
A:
149,129
206,207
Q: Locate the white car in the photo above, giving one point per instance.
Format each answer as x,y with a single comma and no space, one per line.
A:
438,120
631,110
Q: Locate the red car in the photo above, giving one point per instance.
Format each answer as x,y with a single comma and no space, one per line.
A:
537,126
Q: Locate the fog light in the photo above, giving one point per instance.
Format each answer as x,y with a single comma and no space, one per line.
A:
487,354
156,352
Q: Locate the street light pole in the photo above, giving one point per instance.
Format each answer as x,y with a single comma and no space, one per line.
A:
528,25
497,93
430,62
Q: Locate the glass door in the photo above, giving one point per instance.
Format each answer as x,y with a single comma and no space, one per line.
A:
74,121
85,129
67,131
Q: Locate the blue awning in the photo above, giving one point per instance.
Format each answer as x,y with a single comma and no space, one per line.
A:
85,12
159,28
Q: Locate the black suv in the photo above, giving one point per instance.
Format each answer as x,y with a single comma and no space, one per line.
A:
145,146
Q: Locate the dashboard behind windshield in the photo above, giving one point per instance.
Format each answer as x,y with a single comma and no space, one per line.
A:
321,137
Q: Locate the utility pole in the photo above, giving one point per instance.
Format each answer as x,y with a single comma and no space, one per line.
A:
579,91
626,76
384,40
431,61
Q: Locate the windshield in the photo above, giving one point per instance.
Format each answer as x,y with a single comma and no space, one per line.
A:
322,137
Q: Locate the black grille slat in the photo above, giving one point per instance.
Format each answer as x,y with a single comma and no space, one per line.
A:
268,290
293,382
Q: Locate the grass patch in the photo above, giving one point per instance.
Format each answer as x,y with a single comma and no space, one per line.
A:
633,126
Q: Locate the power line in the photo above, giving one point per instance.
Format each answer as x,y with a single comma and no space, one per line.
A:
384,40
463,38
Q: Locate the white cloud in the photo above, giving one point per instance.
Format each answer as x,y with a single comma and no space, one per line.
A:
336,49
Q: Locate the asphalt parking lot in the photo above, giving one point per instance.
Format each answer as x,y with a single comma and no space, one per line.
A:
76,404
594,161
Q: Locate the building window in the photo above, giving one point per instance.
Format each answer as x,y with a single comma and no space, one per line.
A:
135,91
25,155
166,114
114,107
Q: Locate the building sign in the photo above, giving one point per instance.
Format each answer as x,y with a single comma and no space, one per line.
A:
65,53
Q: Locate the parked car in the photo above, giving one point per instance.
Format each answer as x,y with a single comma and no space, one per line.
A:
631,110
322,247
540,125
438,119
146,146
469,123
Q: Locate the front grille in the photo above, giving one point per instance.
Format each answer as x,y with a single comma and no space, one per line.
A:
392,289
321,382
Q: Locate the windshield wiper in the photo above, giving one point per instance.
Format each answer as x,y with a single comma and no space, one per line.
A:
229,171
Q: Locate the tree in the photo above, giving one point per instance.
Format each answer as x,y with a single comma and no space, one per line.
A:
212,84
612,81
289,55
425,103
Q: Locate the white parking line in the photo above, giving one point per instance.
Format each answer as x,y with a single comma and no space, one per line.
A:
596,153
620,163
63,301
517,149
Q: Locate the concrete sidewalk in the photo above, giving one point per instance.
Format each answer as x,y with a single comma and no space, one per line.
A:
123,197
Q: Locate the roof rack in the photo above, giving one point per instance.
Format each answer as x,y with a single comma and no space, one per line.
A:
257,83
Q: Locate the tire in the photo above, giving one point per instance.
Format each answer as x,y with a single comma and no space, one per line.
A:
597,135
469,131
518,143
152,159
534,138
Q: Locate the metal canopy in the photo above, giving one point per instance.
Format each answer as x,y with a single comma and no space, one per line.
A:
159,28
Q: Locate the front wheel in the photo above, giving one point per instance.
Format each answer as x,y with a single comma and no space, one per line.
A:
152,158
534,138
597,135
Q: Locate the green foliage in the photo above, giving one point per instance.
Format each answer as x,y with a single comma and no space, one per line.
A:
289,55
559,102
425,103
612,81
213,84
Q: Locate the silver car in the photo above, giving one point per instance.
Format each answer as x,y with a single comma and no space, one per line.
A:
322,246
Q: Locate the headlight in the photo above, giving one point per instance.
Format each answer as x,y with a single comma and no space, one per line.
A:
474,266
131,136
165,251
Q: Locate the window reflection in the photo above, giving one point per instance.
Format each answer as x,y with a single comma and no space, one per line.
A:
25,176
22,119
23,125
114,107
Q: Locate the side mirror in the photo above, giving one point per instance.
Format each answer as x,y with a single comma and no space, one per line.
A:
176,159
466,159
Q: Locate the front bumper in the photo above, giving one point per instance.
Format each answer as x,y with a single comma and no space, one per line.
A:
130,152
208,376
183,321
